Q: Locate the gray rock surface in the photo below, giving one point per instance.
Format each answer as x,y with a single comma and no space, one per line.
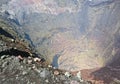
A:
44,73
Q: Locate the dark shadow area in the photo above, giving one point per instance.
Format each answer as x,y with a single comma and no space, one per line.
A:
107,74
6,34
111,71
116,60
116,57
14,52
99,3
29,39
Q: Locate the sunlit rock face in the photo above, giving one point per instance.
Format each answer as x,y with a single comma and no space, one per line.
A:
70,34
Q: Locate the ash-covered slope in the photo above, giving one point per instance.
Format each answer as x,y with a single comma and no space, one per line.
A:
71,34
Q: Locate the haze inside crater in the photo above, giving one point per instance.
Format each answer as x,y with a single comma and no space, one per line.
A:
70,34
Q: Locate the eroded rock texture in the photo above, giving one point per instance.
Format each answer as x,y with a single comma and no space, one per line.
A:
71,34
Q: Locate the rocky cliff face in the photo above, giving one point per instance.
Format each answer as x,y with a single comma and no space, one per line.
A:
71,34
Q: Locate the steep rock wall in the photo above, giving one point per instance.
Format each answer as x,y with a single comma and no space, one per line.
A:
71,34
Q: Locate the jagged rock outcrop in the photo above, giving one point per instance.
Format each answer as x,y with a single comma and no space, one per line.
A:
84,34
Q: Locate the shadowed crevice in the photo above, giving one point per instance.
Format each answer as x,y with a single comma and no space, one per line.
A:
6,34
14,52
